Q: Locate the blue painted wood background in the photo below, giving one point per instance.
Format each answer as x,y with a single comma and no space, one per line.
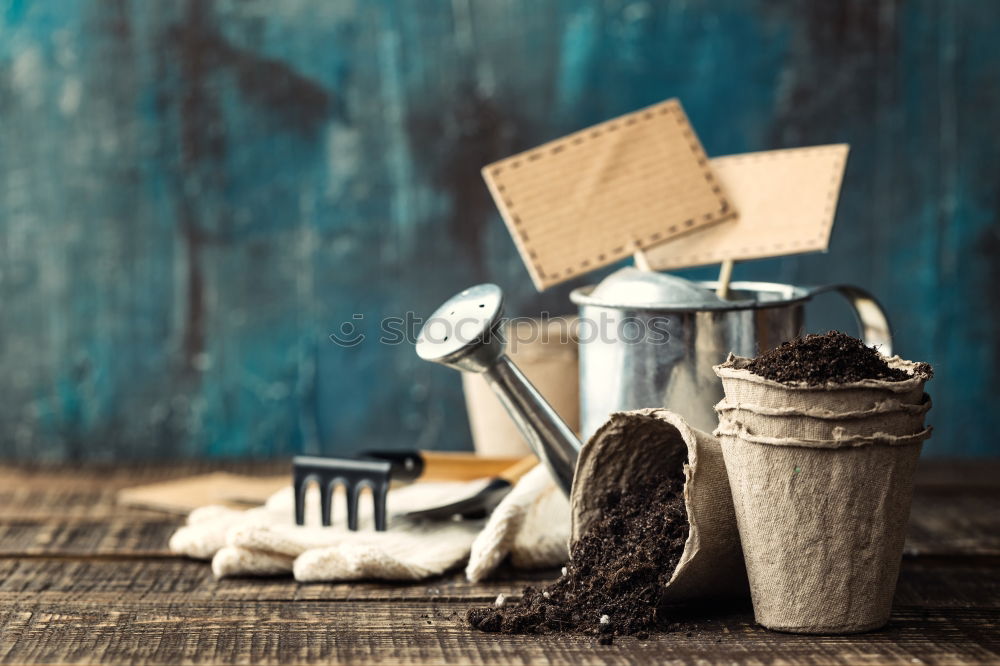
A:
194,194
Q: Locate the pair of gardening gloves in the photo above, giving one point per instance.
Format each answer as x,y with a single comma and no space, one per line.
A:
530,526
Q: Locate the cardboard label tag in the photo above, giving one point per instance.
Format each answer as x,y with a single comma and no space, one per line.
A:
787,200
600,194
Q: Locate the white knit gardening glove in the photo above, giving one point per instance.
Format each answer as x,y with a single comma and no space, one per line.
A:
266,541
531,525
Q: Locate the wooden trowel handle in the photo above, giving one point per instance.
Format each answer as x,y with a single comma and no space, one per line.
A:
454,466
451,466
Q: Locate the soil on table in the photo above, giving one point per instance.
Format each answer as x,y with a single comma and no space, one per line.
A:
617,572
830,358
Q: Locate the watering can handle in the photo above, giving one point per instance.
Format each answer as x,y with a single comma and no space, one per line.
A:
872,320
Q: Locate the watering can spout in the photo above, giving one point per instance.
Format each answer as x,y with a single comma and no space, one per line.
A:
464,333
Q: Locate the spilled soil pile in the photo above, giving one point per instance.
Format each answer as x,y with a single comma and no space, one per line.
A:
617,570
821,359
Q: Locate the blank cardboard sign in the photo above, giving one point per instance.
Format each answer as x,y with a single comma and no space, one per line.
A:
786,198
595,196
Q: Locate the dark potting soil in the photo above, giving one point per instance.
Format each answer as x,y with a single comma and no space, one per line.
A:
617,570
832,357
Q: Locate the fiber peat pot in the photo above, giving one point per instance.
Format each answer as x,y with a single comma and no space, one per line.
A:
652,526
888,416
644,443
742,387
822,479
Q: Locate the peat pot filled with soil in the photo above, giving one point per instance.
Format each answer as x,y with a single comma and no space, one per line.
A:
653,526
821,438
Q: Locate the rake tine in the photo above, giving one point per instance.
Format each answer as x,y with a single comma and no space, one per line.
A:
352,491
379,496
299,489
326,500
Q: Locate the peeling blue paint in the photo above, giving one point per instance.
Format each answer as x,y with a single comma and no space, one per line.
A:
195,194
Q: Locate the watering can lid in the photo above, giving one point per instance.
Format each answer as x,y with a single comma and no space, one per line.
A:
631,287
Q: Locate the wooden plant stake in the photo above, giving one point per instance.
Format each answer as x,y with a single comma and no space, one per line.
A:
725,276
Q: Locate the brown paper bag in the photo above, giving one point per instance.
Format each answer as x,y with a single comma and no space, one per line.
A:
632,445
742,387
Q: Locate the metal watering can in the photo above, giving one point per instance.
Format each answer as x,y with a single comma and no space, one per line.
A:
679,331
650,340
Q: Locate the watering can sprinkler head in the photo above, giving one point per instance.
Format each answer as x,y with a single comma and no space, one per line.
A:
464,333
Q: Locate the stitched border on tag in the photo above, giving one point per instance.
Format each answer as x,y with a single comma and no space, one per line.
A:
494,177
816,242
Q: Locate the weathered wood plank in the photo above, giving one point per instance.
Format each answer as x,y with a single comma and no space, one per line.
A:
57,501
954,522
178,581
47,492
949,583
963,475
104,597
111,477
944,531
40,493
87,537
958,527
406,632
938,583
941,523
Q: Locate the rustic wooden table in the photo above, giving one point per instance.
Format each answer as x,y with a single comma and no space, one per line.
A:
82,580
